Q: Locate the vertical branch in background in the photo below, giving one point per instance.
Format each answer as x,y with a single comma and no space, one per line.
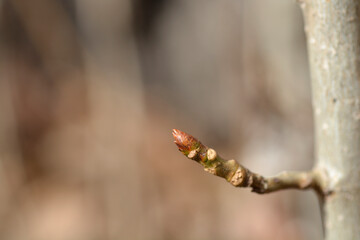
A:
333,34
115,101
43,66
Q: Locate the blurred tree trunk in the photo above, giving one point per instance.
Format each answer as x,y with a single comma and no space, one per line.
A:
333,34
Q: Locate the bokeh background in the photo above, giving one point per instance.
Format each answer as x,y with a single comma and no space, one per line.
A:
89,93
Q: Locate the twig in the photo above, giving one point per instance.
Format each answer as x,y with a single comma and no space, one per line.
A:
238,175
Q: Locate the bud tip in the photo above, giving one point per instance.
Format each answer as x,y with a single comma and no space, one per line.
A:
184,141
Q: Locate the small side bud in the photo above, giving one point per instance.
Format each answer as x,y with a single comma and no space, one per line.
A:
210,170
211,154
193,153
239,177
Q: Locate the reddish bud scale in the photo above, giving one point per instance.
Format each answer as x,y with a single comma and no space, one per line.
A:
187,143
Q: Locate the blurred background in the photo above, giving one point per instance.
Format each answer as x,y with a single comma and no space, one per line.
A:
90,91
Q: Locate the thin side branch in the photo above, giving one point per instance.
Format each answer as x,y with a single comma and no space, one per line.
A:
238,175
